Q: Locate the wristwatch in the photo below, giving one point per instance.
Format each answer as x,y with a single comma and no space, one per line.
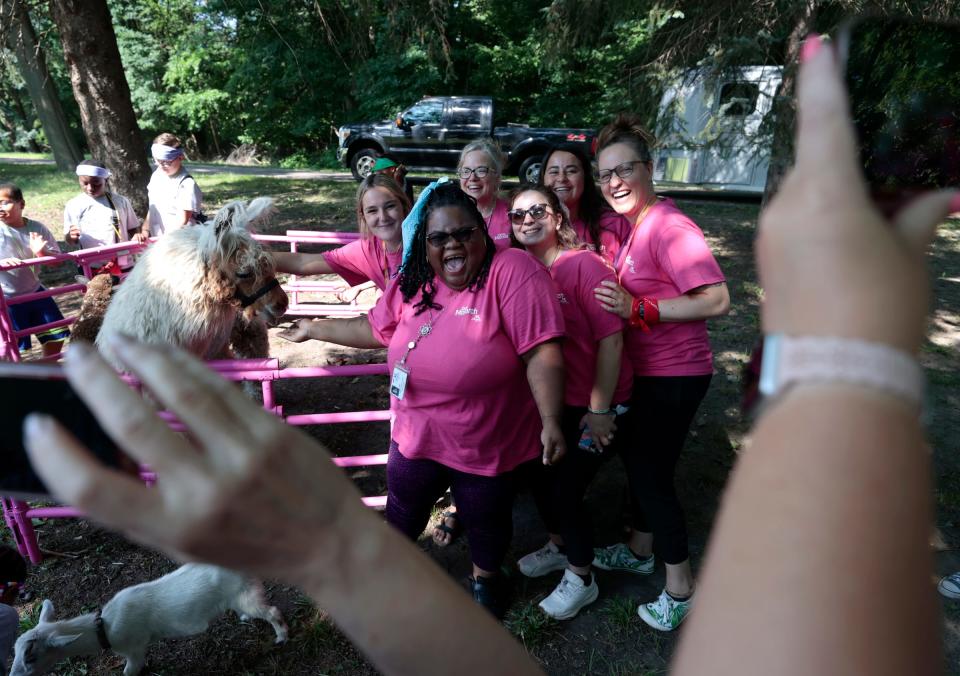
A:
792,360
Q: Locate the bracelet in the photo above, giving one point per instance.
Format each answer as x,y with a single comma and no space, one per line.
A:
636,315
794,360
603,411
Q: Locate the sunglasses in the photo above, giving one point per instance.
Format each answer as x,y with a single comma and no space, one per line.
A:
440,239
479,172
538,211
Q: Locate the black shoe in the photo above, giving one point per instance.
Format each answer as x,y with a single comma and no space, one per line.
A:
491,593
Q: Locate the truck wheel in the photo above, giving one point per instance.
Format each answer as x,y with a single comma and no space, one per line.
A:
530,169
362,163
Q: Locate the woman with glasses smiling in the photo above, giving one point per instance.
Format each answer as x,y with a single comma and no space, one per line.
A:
669,285
173,195
480,170
567,172
477,376
597,383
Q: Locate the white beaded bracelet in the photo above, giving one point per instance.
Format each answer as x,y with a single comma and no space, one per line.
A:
790,360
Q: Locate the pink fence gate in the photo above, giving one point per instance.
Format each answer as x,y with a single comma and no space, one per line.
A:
18,515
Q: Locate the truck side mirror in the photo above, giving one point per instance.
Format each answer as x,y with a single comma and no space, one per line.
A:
401,123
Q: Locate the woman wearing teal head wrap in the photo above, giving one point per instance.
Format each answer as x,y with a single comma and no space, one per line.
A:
477,376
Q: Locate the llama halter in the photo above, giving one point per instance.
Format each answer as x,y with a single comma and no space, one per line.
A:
247,301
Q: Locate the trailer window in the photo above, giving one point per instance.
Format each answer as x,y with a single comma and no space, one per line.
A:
425,112
738,99
464,113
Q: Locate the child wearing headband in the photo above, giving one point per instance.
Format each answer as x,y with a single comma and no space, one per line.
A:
23,238
99,217
174,196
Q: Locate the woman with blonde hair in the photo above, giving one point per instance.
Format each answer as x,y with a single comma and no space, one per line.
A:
480,170
381,208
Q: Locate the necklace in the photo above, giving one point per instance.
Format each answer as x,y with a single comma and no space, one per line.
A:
556,257
425,329
633,231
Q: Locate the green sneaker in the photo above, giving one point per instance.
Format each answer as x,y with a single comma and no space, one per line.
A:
619,557
666,613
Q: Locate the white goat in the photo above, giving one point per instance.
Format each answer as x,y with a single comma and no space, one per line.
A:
181,603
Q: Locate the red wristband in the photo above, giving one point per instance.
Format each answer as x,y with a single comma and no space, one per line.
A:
651,311
637,315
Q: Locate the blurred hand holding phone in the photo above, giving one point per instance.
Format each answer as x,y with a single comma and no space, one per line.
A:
41,388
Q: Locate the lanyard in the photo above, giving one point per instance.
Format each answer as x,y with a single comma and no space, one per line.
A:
115,220
633,232
423,332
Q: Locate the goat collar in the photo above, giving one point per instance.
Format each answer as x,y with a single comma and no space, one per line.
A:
101,632
246,301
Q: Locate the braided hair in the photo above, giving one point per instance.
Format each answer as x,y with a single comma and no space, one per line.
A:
417,275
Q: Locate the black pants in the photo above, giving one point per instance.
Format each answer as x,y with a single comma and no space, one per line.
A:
661,410
559,489
649,439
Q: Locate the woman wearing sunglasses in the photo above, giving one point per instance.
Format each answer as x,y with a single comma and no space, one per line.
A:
476,376
381,207
669,285
597,383
567,172
480,170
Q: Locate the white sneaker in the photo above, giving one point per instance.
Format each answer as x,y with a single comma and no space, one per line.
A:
545,560
666,613
570,596
950,586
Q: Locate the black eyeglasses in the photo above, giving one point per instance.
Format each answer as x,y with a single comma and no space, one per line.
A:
479,172
440,239
622,170
538,211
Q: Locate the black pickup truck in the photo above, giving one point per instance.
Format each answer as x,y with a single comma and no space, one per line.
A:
429,135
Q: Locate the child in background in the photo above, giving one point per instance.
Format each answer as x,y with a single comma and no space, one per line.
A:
21,239
390,166
174,196
98,217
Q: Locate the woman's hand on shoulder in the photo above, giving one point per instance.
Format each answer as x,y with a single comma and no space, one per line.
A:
614,298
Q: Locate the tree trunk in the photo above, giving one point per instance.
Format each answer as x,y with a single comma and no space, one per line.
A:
784,104
102,92
22,41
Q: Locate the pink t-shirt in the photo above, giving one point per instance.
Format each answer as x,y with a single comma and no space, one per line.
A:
667,257
577,274
467,403
498,225
614,230
365,259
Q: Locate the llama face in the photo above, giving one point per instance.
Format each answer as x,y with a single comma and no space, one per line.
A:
256,281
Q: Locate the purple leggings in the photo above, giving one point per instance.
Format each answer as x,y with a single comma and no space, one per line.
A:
484,503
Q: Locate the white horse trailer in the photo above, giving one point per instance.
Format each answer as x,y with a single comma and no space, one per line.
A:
711,136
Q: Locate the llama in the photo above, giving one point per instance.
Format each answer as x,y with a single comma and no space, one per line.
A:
193,288
180,603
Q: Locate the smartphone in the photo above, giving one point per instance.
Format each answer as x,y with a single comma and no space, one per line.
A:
40,388
903,77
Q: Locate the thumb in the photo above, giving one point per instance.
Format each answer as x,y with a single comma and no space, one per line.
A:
918,220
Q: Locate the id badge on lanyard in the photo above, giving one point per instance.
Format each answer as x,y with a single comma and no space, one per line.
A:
398,381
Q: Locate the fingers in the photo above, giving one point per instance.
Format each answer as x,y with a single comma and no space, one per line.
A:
77,478
218,415
126,417
826,142
918,220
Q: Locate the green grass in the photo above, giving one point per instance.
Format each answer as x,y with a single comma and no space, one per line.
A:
620,612
530,624
24,156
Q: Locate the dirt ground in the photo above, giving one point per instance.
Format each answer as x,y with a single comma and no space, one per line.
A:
87,565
